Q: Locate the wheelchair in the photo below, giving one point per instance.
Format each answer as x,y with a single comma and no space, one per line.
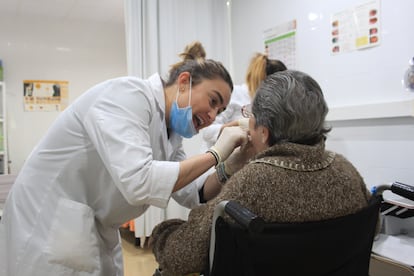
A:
249,246
339,246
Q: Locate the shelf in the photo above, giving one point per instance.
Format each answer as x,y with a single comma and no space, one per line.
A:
372,111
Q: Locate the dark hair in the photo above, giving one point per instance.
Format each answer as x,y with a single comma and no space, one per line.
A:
194,61
259,68
291,105
274,65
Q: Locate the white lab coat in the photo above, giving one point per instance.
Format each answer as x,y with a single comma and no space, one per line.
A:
239,97
103,162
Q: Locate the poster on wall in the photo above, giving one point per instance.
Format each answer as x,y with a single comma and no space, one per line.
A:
280,43
45,95
356,28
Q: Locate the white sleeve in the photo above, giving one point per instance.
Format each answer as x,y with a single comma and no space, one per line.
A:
188,196
118,126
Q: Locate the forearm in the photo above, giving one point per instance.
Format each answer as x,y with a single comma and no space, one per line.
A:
192,168
195,166
212,187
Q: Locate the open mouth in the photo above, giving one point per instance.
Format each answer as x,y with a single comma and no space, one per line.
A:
198,121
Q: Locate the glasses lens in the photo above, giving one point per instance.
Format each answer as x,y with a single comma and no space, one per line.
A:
247,111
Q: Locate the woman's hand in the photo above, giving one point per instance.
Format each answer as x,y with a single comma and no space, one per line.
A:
239,158
231,138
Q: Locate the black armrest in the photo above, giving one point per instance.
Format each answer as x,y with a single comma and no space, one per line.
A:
403,190
244,217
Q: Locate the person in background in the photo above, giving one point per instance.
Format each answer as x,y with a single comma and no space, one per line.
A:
113,152
291,178
259,68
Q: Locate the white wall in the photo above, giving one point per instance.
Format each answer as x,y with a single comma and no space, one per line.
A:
81,52
382,148
365,76
184,21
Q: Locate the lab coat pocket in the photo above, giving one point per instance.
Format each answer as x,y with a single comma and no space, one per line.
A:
72,241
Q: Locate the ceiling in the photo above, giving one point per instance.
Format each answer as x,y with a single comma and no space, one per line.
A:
110,11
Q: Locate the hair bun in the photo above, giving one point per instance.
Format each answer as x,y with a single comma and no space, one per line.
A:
194,51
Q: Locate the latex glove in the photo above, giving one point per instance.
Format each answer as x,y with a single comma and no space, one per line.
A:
229,124
238,158
244,123
230,138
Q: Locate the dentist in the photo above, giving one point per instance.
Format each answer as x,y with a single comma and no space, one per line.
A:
111,154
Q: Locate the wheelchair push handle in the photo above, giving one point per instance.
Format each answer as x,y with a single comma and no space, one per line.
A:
244,216
403,190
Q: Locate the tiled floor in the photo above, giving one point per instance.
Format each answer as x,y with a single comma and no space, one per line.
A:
141,262
137,261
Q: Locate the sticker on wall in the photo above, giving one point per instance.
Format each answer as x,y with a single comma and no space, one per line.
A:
280,43
45,95
356,28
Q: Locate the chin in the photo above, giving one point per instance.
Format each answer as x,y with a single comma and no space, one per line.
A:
203,126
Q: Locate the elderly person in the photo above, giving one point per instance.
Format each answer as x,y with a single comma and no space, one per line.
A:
259,68
291,178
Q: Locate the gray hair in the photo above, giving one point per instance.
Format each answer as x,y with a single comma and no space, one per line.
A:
291,105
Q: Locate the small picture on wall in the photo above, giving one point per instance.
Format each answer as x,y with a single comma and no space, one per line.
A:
280,43
356,28
45,95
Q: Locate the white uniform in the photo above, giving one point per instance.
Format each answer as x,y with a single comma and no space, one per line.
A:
239,97
100,165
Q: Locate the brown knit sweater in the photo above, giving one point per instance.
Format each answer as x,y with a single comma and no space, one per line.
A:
285,183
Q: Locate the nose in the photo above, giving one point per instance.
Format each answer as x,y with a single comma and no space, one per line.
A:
213,113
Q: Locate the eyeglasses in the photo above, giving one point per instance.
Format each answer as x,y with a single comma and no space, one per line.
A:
246,111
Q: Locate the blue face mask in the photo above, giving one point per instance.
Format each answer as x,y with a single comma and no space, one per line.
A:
181,119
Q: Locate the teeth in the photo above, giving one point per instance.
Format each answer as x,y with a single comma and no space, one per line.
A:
200,120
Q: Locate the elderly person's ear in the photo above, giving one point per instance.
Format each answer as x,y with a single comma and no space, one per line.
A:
264,135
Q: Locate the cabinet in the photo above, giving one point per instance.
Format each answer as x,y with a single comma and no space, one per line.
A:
4,160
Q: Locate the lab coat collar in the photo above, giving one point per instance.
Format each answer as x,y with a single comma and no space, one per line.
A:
168,144
158,88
